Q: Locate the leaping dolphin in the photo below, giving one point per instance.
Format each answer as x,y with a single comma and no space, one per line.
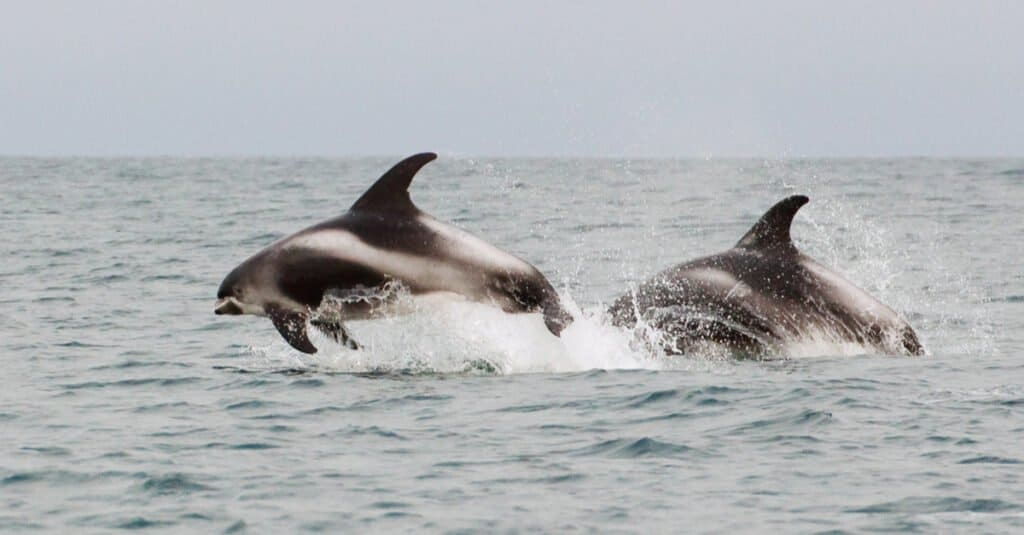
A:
760,295
383,239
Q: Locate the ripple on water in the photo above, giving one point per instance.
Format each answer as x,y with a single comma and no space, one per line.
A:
711,395
250,404
625,448
571,477
924,504
75,344
240,446
48,450
57,477
528,408
157,407
807,418
785,440
139,522
665,417
397,401
373,430
131,363
989,459
308,383
650,398
172,484
147,381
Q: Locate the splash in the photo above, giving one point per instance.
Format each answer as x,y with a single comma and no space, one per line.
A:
931,297
465,338
442,335
817,344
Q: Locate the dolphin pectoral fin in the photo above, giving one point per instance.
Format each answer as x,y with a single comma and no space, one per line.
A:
336,330
292,326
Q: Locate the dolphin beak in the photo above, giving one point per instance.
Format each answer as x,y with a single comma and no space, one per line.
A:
226,305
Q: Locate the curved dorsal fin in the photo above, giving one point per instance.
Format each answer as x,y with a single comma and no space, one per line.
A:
391,190
772,230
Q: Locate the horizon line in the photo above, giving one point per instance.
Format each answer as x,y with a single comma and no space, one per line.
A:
461,156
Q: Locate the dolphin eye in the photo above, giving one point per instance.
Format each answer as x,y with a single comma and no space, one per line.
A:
237,291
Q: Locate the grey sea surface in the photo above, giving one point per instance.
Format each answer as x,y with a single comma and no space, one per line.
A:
126,404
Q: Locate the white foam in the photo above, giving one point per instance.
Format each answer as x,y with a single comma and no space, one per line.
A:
438,335
816,345
458,336
451,336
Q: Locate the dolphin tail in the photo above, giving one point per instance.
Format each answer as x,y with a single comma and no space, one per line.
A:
292,326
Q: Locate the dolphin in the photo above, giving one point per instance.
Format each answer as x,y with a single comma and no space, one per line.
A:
383,241
760,295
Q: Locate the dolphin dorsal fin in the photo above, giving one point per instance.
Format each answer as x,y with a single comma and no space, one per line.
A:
772,230
391,190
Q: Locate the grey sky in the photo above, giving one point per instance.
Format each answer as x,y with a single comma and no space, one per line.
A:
513,78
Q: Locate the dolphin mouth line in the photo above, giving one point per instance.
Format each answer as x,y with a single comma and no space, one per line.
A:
227,306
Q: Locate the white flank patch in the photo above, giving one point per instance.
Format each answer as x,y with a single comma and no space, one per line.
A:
466,246
858,300
716,276
425,272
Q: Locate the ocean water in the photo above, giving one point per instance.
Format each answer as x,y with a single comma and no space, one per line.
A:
126,404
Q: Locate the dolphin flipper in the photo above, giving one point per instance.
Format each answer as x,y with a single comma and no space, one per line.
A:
336,331
292,326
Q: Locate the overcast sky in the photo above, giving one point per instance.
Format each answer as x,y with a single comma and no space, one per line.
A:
514,78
